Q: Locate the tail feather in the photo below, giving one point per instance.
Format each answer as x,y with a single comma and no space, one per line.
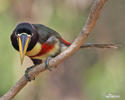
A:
98,45
91,45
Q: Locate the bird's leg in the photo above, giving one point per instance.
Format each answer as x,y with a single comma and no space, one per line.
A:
47,66
52,41
36,62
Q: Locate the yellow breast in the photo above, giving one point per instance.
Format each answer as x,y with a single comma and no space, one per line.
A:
38,48
35,50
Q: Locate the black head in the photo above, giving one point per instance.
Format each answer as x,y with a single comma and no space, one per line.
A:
24,37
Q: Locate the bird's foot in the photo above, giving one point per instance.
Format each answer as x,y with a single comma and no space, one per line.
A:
47,66
26,73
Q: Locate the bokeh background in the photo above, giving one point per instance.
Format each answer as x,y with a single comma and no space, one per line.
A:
90,74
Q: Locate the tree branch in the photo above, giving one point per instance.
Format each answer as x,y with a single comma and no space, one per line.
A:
90,23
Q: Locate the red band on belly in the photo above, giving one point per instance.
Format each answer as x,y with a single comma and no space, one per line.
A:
45,48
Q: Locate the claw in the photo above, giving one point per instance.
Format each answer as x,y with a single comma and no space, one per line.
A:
26,73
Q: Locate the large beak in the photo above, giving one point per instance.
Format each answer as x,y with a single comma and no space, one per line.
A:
23,42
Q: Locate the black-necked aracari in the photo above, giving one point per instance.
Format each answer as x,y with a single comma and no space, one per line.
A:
39,43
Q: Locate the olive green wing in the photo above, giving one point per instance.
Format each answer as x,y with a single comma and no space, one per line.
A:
45,32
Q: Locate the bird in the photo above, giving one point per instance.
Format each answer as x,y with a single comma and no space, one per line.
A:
40,43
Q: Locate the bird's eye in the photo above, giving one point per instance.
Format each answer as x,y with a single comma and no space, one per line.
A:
17,34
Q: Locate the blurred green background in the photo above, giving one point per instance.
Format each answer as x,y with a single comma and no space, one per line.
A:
90,74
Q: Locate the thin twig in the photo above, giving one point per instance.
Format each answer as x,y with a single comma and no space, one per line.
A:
90,23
